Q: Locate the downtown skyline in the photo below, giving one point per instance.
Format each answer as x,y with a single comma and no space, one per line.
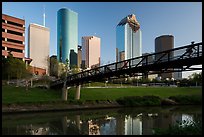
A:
183,20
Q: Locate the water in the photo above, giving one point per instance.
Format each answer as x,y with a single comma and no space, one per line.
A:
120,121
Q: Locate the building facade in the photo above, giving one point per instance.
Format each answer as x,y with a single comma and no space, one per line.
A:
162,43
67,36
128,38
13,37
79,56
91,51
39,48
150,60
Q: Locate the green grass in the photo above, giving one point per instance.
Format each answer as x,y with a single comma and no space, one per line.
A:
11,94
102,84
115,93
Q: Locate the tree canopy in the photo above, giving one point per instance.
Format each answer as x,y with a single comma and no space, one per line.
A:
13,68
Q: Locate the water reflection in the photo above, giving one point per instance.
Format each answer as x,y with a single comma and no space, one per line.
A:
126,121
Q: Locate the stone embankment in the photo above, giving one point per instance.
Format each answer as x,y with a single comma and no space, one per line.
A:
15,108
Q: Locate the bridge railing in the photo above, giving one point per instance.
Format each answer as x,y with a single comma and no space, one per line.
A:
189,51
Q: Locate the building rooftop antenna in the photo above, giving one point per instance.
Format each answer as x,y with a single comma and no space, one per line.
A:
44,16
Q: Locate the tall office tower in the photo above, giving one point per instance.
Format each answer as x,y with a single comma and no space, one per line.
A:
79,56
128,38
67,36
13,37
91,51
39,48
162,43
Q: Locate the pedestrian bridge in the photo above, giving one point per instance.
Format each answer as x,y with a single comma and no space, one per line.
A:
174,60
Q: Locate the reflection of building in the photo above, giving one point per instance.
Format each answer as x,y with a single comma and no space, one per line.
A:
38,48
162,43
91,51
93,128
128,38
109,127
162,120
67,35
79,56
133,126
120,125
13,36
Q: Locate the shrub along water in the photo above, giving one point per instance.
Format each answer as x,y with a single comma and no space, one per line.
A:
185,100
139,101
155,100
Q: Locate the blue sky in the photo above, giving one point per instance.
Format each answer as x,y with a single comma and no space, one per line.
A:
183,20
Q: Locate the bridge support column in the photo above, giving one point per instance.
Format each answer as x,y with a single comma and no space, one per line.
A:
64,93
77,94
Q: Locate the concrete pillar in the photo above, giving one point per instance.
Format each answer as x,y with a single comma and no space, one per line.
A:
77,95
64,93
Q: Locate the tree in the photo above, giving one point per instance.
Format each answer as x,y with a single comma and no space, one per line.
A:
14,68
196,78
64,89
54,66
74,69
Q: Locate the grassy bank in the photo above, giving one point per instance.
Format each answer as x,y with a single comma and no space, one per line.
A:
20,95
115,93
12,94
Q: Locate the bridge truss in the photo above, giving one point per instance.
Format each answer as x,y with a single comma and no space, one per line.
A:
173,60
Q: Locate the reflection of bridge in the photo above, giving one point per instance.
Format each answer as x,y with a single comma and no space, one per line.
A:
173,60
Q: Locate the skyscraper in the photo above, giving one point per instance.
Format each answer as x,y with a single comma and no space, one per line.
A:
67,36
162,43
91,51
128,38
39,48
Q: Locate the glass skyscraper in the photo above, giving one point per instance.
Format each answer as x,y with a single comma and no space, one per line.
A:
128,39
67,36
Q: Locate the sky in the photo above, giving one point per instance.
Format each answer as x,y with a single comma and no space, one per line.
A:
183,20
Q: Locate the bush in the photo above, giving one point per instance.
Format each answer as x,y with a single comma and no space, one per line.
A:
185,100
139,101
